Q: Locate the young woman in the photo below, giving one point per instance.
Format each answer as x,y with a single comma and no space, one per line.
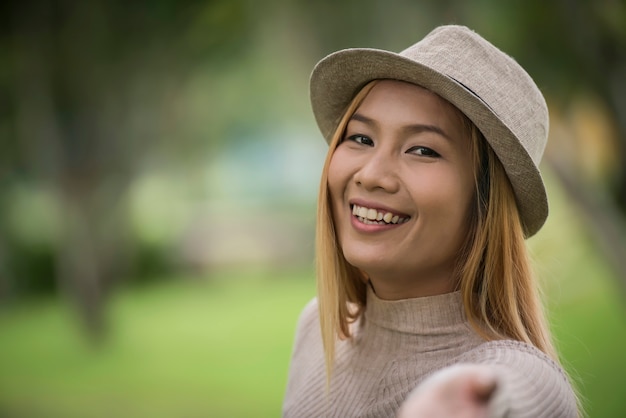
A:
426,303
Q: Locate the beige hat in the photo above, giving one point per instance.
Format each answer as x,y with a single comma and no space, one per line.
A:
487,85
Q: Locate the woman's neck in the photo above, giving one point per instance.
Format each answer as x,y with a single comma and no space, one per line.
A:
398,288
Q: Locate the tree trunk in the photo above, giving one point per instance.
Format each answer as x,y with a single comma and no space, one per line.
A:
79,267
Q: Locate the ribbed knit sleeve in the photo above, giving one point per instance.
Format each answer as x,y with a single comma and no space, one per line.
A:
530,384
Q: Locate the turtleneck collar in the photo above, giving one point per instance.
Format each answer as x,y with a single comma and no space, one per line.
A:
426,315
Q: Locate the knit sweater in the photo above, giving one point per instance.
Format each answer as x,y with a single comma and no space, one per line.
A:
397,344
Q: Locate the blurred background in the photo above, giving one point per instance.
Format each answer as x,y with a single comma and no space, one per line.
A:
158,175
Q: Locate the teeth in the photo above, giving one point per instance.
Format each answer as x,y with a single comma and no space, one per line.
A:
370,222
372,216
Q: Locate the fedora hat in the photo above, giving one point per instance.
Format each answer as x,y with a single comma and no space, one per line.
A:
484,83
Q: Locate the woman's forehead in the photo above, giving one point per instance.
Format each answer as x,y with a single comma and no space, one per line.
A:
406,103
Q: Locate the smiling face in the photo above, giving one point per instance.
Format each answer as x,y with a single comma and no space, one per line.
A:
401,184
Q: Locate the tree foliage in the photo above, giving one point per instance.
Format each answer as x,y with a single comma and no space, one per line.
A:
91,92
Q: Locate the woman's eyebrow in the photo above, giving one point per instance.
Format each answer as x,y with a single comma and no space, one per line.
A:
362,118
416,128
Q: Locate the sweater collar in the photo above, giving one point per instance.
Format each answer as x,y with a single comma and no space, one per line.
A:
426,315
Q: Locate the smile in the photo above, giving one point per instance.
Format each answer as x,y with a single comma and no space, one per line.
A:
371,216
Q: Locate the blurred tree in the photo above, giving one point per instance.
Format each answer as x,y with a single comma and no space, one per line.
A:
89,91
86,97
596,56
576,51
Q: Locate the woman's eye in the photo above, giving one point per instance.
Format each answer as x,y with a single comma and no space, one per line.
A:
424,152
361,139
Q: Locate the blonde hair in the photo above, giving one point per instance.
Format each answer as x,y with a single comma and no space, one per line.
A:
500,293
498,289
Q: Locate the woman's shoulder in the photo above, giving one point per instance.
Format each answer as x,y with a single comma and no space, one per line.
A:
308,321
511,352
309,314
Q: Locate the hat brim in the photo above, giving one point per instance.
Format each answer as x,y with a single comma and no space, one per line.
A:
336,79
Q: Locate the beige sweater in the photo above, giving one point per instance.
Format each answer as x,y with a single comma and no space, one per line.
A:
398,344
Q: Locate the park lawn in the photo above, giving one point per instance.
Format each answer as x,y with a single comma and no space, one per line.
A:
219,346
586,307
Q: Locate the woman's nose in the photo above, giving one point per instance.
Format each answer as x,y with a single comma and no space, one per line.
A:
378,171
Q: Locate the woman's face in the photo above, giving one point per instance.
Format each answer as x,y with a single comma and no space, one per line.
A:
401,184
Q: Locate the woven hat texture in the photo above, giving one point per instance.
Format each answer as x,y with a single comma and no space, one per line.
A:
486,84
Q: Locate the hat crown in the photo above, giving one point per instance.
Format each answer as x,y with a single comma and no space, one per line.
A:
484,83
496,79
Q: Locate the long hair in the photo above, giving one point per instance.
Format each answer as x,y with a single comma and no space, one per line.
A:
500,294
341,287
493,270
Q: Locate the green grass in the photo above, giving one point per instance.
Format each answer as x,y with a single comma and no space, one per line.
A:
586,308
220,347
180,349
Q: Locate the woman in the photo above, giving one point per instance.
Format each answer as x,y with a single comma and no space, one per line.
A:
426,303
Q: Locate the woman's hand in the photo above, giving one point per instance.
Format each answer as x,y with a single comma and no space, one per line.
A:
460,391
